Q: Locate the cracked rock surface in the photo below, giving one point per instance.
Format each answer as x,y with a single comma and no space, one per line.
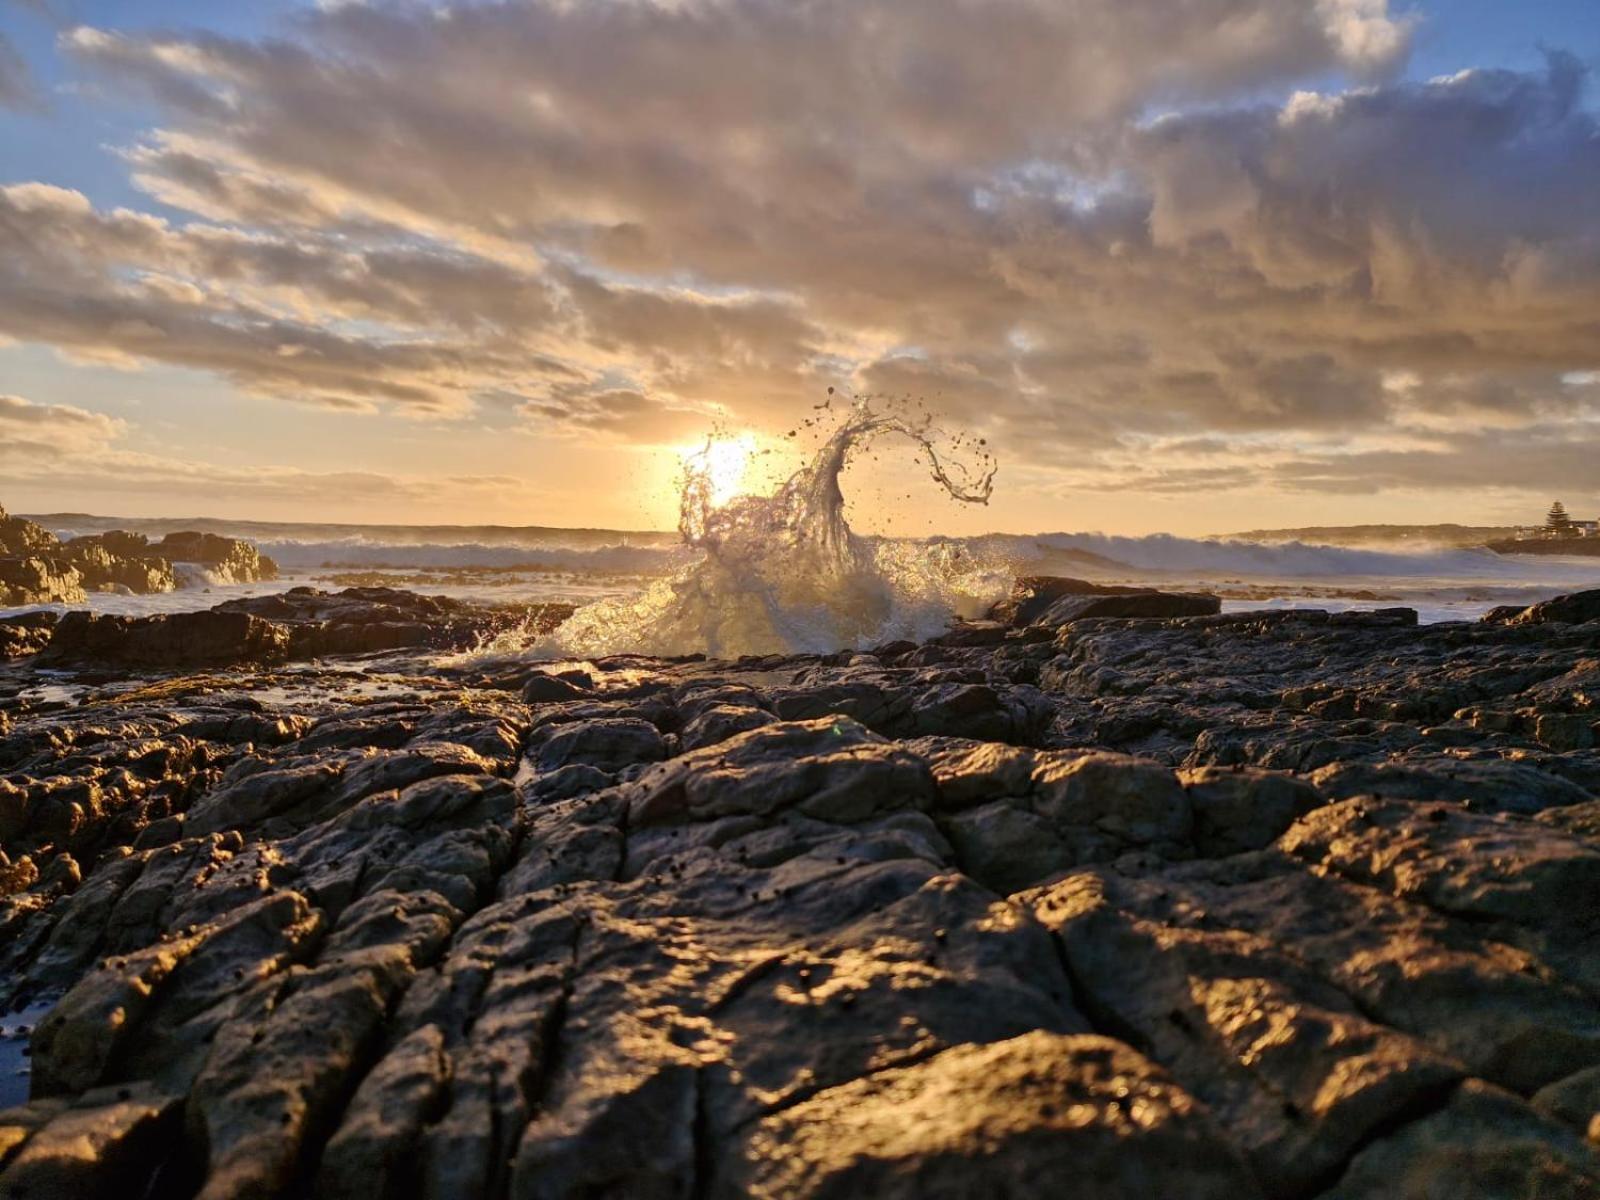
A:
1259,905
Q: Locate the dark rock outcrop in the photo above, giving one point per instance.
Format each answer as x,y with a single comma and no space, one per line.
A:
21,537
39,580
1267,905
362,620
303,623
227,560
119,561
171,640
1574,609
26,633
36,567
1051,601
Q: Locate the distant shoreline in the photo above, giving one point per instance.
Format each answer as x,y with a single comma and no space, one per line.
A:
1579,547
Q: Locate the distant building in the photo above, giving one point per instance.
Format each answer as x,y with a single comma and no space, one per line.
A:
1559,525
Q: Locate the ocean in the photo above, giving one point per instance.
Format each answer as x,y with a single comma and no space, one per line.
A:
531,564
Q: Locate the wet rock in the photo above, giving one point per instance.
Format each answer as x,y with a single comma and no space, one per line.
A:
607,744
1565,731
38,580
110,1142
544,689
996,1120
1574,1101
1052,602
1070,609
365,620
1482,1145
26,633
1238,810
1489,785
973,633
170,640
114,561
720,722
1577,608
951,918
1032,595
1295,1072
226,560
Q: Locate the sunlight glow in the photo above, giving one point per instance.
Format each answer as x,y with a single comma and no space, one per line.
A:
727,462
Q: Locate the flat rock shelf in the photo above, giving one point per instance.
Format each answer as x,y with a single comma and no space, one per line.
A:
1120,899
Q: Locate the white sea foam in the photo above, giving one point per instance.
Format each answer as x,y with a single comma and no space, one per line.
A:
785,572
1297,560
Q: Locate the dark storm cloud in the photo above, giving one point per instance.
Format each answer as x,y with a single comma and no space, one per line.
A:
631,216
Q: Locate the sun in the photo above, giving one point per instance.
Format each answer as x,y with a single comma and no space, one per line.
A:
725,461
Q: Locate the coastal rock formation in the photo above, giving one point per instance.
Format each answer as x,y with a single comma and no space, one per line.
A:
119,561
302,623
26,634
185,639
36,567
1270,905
364,620
1053,601
39,580
21,537
226,560
1568,610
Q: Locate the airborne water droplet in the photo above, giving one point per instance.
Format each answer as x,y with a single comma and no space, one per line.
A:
786,572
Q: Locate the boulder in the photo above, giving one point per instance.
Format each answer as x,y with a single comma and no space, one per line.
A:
1240,810
543,688
26,633
120,560
170,640
1565,731
1031,595
24,538
1575,609
1046,600
607,744
1485,1144
1087,1113
364,620
227,560
38,580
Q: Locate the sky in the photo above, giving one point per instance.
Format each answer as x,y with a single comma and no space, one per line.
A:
1194,267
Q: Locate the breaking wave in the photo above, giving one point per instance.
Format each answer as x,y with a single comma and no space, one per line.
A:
1160,553
785,572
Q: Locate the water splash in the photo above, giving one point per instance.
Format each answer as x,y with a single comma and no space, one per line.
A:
785,572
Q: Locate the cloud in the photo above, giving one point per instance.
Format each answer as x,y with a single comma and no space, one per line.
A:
30,432
63,450
1095,240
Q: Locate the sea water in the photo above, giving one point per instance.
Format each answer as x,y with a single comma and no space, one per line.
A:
786,572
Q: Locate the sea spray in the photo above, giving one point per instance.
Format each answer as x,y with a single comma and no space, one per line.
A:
785,572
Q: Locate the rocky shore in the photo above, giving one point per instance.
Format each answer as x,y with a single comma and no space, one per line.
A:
36,567
1110,896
